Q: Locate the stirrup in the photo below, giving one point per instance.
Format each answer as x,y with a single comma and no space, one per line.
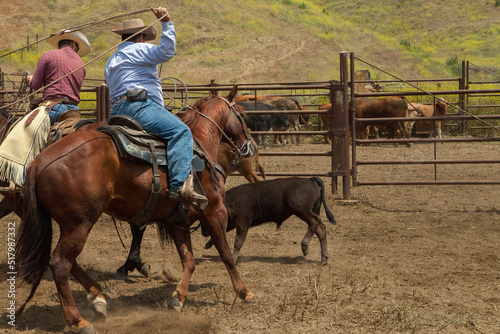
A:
188,196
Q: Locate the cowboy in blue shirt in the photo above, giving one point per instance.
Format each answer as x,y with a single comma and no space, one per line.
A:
134,66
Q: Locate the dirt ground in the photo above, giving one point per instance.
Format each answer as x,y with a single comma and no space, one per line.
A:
403,259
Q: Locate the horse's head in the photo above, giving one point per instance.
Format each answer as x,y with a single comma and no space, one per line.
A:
222,117
248,147
237,129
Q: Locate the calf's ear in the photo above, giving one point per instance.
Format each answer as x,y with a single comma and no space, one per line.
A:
232,94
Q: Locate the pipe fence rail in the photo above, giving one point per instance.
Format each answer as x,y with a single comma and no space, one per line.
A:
468,100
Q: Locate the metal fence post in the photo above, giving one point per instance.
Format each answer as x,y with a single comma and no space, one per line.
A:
461,99
213,84
103,103
340,130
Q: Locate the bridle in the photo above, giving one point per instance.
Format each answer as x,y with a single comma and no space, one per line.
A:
246,149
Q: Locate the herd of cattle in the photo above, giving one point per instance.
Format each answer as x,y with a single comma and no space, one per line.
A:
378,110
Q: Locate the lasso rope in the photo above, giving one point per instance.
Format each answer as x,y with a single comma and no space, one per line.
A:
77,28
91,61
172,99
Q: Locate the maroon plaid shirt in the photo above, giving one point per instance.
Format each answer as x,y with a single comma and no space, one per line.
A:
55,64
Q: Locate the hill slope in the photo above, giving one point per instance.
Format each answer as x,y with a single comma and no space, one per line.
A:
278,40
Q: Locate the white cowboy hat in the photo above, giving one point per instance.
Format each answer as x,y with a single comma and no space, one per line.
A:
75,36
135,25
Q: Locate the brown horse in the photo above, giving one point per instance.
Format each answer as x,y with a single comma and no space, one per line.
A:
229,161
80,177
12,201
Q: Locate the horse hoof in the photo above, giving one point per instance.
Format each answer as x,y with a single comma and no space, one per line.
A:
87,330
249,297
122,272
99,307
305,249
175,304
209,244
144,269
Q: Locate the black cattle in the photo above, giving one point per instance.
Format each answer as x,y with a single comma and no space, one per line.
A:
275,201
263,122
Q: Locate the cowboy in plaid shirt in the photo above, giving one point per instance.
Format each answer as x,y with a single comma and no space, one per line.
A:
55,64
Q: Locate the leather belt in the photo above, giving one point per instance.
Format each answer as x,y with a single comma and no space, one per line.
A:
67,100
63,100
118,100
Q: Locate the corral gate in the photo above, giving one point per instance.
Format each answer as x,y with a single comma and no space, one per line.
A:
461,116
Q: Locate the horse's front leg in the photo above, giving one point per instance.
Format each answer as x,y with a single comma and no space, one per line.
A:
182,241
216,222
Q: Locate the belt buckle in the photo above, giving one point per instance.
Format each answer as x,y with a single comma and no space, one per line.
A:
120,99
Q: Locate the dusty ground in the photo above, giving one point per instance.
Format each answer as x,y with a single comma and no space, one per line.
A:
403,259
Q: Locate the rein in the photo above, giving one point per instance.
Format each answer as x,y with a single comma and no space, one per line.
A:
245,148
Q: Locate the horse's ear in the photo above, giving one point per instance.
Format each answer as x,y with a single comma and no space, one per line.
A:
233,93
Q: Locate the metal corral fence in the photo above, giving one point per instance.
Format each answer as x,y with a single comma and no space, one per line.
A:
463,93
95,104
463,112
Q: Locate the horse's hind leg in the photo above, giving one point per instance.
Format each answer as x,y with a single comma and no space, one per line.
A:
93,289
70,245
182,241
315,226
7,205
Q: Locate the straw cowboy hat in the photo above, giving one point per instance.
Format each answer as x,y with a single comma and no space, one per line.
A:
75,36
135,25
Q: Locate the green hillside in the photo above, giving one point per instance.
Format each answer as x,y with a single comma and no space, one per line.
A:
277,40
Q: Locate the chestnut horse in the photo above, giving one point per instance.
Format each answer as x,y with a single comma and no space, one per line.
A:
230,162
81,176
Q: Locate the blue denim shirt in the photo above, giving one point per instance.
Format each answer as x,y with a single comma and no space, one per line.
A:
135,65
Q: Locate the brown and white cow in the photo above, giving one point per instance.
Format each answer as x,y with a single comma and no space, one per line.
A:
430,110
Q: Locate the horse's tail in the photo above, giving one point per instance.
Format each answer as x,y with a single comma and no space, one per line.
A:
329,214
34,240
176,220
260,167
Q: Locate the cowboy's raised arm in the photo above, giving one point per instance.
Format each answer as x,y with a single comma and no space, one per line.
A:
160,12
166,50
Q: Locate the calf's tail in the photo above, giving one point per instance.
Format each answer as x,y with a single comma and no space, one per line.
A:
34,238
329,214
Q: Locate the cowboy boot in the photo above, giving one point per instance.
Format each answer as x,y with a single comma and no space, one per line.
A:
188,196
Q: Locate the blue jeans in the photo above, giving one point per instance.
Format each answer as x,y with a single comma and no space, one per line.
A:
177,135
60,108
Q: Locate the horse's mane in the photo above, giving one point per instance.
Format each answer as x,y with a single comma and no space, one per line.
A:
240,110
190,116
